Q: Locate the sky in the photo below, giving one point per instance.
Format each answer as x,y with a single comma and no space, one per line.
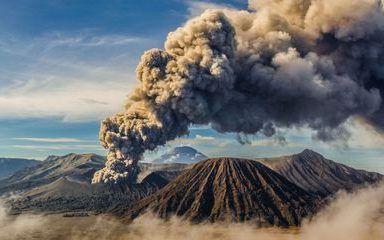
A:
67,64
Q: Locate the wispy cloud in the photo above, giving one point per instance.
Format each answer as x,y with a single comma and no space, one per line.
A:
206,141
200,127
364,136
204,138
78,77
274,142
51,140
195,8
58,147
84,40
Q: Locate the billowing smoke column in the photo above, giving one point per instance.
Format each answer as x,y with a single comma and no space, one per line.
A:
285,63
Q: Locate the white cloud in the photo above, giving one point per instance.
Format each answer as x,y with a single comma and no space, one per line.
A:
214,144
355,216
76,77
264,142
84,40
275,142
204,138
58,147
67,102
364,136
18,227
195,8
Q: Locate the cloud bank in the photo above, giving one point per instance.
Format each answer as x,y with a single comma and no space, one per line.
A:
18,227
356,216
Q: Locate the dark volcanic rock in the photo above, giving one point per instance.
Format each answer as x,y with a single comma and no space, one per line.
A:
316,174
229,189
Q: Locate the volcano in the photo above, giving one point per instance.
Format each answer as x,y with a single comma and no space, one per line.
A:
229,189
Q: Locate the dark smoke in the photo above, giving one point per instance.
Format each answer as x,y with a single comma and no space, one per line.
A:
285,63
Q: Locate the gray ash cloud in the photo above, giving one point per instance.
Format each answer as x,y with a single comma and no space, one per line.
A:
283,63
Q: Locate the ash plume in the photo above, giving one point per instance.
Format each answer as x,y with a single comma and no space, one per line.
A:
283,63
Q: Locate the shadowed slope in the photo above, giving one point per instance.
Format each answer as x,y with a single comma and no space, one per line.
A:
63,183
316,174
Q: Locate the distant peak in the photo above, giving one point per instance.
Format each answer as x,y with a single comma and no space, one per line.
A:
51,157
309,154
75,157
181,154
70,154
309,151
185,149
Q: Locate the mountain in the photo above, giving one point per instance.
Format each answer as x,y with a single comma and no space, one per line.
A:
316,174
10,165
228,189
63,183
77,167
185,154
209,190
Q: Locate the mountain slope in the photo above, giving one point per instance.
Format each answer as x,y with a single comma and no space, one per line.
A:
229,189
316,174
78,167
63,183
185,154
8,166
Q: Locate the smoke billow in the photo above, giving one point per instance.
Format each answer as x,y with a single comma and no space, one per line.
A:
283,63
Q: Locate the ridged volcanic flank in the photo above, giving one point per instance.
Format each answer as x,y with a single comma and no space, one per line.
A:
318,175
230,189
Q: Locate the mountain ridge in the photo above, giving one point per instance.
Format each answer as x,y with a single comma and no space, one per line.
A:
63,183
9,166
316,174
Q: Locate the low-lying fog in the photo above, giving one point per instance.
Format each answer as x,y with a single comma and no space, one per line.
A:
357,216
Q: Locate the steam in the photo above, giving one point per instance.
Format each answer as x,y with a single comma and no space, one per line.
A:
284,63
18,227
356,216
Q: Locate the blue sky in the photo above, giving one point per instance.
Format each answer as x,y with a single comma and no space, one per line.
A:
67,64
